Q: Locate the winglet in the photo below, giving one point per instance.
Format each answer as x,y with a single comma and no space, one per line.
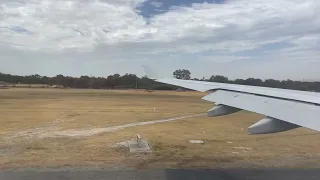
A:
150,72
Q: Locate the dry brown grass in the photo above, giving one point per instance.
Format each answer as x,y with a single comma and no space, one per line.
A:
76,109
27,108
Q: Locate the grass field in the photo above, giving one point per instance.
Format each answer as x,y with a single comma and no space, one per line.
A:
38,128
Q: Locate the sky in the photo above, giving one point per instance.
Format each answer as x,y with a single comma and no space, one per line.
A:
277,39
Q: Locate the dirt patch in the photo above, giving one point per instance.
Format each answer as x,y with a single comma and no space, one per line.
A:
4,151
95,131
52,129
37,132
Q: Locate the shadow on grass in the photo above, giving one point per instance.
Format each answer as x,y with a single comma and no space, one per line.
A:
162,174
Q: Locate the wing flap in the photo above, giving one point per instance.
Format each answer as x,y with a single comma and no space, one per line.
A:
299,113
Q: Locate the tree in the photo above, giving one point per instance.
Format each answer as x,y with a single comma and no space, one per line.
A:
60,80
219,79
83,82
272,83
239,81
97,83
253,82
182,74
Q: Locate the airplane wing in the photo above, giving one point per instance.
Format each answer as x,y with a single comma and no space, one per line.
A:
283,109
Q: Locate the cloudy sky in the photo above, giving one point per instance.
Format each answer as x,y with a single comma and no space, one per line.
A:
277,39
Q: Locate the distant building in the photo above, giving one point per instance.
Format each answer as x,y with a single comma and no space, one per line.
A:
4,85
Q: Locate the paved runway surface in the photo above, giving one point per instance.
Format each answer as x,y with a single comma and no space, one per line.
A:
164,174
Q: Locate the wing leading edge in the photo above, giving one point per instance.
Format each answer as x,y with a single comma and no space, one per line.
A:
284,109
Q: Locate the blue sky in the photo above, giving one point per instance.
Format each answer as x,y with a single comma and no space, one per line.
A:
152,8
277,39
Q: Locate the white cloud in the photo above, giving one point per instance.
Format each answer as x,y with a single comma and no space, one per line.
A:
60,25
222,59
109,31
307,42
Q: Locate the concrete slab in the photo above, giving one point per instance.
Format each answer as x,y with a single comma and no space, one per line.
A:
134,148
196,141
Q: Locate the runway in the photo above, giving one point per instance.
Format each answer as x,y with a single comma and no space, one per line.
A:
162,174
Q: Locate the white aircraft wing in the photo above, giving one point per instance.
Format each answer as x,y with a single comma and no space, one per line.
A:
283,109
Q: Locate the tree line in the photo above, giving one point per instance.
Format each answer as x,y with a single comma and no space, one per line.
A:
130,81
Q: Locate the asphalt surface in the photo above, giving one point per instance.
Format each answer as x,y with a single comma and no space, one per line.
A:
164,174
